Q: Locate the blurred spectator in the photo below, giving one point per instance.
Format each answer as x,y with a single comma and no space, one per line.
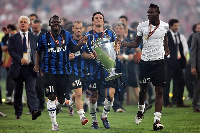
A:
8,31
0,75
131,66
63,23
88,28
134,26
195,69
189,78
37,28
32,17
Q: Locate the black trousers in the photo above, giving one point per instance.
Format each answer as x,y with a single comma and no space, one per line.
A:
9,84
189,80
25,75
196,96
39,88
175,72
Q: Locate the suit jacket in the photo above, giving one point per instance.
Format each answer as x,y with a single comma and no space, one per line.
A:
15,49
195,52
173,52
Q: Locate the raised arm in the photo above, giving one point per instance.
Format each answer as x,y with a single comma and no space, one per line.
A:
133,44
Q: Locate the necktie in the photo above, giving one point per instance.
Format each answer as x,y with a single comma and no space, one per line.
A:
24,44
176,42
177,47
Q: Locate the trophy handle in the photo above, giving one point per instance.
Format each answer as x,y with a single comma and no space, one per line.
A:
113,76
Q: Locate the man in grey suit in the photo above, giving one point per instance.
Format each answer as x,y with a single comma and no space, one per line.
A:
22,49
195,69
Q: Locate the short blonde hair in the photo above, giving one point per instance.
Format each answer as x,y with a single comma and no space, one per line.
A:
23,17
77,22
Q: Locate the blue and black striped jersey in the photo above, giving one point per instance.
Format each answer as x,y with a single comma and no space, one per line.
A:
77,65
93,67
55,57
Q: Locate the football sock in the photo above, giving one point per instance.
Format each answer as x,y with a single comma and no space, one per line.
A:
81,113
92,109
157,116
107,106
51,106
141,108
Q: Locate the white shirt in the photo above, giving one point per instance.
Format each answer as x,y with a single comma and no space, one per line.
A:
153,48
27,44
183,41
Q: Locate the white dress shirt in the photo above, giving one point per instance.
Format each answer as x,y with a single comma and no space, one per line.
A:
183,41
27,44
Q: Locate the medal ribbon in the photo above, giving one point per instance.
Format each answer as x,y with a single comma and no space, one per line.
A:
56,41
150,33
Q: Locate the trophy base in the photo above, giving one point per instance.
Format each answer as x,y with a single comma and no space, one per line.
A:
113,76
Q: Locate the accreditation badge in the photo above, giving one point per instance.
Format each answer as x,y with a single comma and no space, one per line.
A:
25,56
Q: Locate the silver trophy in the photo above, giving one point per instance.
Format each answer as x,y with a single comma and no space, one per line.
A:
107,56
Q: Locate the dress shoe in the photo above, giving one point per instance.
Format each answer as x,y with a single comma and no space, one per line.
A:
120,110
183,105
35,114
147,106
28,113
2,114
9,102
196,110
18,117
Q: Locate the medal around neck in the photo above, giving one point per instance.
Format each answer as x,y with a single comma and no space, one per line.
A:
107,56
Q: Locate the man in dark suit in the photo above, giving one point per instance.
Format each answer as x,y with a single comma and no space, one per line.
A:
22,49
39,88
176,62
195,69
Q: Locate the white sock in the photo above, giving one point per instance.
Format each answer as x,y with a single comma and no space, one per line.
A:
141,107
86,100
51,106
92,109
71,102
81,113
157,116
107,106
59,105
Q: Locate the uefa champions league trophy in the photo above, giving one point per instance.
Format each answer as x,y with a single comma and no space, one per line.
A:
107,56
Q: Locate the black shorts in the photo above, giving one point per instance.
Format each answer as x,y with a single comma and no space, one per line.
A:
101,84
74,82
133,79
152,71
55,84
83,80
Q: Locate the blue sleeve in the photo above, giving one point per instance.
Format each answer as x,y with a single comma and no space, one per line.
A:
112,35
40,44
88,44
84,48
71,43
2,44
